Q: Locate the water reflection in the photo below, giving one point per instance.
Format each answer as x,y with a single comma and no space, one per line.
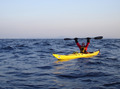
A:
64,60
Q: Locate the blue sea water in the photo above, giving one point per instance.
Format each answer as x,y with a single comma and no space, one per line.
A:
29,64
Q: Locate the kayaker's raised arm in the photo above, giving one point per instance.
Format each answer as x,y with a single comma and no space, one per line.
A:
76,41
88,42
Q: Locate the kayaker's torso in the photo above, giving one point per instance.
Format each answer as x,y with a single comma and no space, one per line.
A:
83,49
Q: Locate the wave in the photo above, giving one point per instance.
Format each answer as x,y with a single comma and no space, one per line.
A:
112,84
7,48
82,75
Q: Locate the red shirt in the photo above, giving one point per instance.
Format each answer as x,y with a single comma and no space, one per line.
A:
85,46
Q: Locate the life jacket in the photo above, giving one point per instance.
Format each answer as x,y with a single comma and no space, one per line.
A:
83,50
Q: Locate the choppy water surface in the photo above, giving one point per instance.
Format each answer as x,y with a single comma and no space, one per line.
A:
29,64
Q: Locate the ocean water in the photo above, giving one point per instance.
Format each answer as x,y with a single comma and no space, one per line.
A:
29,64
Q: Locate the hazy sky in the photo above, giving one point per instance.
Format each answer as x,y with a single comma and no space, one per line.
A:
59,18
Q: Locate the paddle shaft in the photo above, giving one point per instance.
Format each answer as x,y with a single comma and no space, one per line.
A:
96,38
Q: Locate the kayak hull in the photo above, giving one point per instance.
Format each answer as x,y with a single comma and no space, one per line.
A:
76,55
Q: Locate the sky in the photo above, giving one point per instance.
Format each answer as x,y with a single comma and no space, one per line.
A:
59,18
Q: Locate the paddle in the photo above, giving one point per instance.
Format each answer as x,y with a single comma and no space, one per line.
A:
96,38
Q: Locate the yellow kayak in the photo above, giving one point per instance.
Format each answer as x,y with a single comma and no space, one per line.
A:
75,55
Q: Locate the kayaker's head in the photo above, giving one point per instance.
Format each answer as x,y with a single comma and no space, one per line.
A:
83,44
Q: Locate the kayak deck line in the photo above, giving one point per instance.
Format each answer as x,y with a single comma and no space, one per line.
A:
76,55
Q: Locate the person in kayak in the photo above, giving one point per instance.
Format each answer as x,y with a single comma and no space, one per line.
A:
83,47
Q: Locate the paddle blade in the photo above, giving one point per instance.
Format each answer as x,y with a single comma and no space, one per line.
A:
68,39
98,37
